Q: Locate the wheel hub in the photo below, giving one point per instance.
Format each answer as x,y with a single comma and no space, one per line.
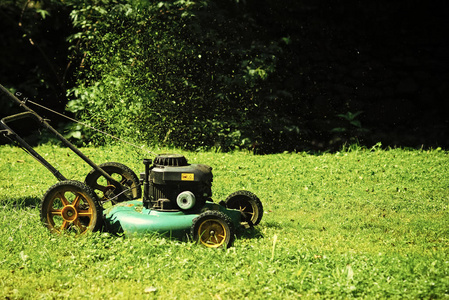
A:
108,192
69,213
212,233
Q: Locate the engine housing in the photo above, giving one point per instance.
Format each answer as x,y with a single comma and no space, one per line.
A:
173,184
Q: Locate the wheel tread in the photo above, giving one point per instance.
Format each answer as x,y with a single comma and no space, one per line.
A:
252,198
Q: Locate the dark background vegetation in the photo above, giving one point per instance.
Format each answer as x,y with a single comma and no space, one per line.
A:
264,75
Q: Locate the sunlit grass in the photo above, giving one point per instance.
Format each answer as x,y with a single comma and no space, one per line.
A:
359,223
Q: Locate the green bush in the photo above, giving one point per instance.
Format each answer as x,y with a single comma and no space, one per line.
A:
181,73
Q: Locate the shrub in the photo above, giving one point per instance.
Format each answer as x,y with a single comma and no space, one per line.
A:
178,73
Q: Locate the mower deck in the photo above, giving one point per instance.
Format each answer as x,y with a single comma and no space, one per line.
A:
133,219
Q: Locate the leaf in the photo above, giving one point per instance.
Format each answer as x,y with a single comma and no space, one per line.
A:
287,40
350,272
150,289
23,256
338,130
43,13
356,123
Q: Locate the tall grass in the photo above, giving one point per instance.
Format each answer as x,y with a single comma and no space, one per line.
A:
366,223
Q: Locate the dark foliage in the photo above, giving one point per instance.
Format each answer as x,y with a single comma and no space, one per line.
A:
263,75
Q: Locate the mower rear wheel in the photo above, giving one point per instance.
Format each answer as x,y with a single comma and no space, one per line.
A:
72,207
213,229
249,205
122,174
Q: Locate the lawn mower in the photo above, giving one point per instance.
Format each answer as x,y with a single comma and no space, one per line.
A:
176,199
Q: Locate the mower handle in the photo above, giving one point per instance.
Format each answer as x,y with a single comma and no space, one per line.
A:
9,133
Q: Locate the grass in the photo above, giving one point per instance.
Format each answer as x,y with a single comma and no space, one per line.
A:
362,223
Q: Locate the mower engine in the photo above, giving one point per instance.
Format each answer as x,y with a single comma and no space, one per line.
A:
177,201
172,184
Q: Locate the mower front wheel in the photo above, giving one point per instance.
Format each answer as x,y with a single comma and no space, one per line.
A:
249,205
72,207
213,229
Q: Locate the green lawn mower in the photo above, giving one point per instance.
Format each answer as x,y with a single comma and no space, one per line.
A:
176,198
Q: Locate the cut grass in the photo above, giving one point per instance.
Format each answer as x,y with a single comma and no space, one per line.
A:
358,223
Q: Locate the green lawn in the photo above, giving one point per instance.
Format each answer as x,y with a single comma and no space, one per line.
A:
359,223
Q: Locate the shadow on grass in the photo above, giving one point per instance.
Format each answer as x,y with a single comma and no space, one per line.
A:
22,202
117,231
250,233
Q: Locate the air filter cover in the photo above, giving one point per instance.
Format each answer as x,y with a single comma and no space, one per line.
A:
170,160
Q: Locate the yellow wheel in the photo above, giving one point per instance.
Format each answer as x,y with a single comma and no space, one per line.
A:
249,205
72,207
213,229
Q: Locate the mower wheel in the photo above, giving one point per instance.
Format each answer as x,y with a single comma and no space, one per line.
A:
71,206
213,229
249,205
124,175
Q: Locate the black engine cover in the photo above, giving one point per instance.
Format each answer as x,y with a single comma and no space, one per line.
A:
166,182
